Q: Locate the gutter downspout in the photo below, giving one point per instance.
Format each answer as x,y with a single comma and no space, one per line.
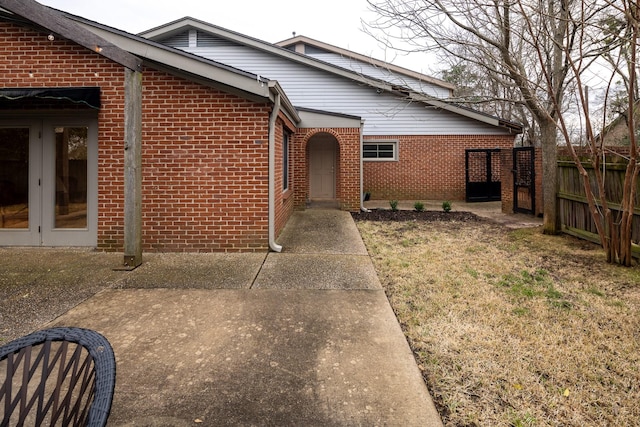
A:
272,175
362,208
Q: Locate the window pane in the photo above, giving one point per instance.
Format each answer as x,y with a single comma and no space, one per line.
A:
71,177
385,151
370,151
14,178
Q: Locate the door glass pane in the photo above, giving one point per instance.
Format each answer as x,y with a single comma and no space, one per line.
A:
14,178
71,177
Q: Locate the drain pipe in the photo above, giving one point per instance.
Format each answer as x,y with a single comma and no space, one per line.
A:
362,208
272,175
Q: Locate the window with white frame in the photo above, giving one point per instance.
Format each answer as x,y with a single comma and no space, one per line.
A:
380,150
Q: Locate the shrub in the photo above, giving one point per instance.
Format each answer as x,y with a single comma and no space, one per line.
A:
394,205
446,206
418,206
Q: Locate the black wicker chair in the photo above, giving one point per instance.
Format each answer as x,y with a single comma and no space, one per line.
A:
58,376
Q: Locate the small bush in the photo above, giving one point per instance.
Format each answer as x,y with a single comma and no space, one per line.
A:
446,206
418,206
394,205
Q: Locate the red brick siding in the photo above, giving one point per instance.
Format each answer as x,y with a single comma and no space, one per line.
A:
205,152
347,165
429,167
205,168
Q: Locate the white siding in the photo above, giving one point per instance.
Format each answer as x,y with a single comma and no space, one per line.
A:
382,74
384,114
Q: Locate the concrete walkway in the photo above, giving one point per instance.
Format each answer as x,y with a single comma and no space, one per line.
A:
305,337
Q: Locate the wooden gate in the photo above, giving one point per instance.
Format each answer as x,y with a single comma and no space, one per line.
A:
524,197
483,175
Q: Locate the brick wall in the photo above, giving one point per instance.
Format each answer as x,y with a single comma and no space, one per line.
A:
429,167
205,152
205,168
347,165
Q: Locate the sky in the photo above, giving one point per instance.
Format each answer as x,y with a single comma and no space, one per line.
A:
337,22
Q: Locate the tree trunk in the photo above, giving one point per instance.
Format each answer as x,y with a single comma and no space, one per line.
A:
626,222
551,221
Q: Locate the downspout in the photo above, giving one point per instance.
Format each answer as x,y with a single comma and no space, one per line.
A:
272,175
362,208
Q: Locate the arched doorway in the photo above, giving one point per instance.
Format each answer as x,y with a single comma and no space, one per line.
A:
323,161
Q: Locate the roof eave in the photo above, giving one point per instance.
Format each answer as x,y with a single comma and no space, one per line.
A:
368,59
180,60
184,23
59,24
290,111
465,112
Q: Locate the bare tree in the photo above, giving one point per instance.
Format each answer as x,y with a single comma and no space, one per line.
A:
478,88
523,44
619,48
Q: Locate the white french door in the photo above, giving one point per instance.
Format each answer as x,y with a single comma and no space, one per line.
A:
48,182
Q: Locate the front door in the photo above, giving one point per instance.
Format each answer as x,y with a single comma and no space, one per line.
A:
48,182
322,169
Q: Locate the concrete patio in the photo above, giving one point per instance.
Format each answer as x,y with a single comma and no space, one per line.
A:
302,337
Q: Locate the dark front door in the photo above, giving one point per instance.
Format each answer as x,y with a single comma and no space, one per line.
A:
483,175
523,180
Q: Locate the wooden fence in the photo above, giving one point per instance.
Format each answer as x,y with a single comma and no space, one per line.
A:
575,217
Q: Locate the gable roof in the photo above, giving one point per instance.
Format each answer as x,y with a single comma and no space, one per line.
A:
55,21
181,25
283,50
133,51
194,67
299,44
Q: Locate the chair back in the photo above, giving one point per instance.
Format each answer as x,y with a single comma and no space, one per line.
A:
57,376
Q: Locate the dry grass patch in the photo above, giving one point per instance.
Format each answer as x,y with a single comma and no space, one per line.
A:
512,327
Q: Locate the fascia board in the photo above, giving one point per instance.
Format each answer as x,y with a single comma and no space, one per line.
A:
170,28
457,110
60,24
464,112
484,118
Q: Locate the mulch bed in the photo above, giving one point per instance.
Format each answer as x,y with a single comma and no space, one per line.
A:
406,215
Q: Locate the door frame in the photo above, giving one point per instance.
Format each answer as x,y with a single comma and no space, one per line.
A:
42,191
